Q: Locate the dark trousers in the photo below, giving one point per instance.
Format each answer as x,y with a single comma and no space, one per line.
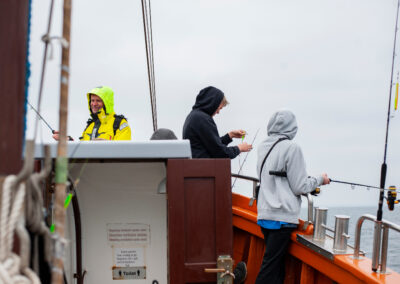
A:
272,269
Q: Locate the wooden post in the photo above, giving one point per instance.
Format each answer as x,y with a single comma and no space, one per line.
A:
14,22
62,159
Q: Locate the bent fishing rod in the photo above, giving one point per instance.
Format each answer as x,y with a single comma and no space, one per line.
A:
48,125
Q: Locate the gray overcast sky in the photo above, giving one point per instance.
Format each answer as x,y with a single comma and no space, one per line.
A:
327,61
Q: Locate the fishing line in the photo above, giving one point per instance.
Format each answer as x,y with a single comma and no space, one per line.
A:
239,160
252,142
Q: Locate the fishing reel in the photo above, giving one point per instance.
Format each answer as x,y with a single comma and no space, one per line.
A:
391,197
316,191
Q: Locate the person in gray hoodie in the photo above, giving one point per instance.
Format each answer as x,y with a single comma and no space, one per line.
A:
279,198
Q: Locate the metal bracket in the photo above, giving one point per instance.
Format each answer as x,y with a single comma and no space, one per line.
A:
223,270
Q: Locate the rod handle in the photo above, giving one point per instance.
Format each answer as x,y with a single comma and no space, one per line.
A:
278,173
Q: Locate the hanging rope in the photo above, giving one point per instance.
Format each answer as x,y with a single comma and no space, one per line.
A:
21,208
34,205
13,268
148,37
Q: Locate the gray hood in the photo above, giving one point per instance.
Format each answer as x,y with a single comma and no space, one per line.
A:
283,122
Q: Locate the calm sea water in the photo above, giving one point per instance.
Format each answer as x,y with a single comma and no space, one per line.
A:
367,231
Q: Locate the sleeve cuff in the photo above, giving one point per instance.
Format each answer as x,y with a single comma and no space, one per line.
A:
320,180
226,139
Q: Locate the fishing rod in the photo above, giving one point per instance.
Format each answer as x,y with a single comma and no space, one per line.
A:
284,174
384,166
252,142
391,191
41,117
391,195
356,184
48,125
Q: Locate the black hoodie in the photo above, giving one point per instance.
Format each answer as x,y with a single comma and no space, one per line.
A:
201,130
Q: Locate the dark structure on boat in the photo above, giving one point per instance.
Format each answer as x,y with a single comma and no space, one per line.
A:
14,27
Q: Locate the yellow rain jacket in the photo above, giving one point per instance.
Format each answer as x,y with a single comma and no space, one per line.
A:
106,124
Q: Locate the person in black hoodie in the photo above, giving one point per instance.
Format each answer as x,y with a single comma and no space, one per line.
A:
202,131
205,142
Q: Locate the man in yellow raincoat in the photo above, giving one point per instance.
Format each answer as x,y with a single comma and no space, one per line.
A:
104,124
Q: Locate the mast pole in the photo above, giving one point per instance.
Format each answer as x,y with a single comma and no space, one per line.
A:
62,159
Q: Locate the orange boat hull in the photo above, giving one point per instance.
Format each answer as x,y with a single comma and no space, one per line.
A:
303,265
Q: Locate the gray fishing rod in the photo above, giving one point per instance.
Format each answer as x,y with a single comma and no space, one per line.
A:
48,125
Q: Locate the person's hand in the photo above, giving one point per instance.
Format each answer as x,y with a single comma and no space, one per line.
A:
237,133
326,179
244,147
56,135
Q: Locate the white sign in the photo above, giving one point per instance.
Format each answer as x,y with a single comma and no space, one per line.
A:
124,273
128,257
128,234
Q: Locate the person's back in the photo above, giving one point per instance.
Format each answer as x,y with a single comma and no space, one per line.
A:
279,198
283,193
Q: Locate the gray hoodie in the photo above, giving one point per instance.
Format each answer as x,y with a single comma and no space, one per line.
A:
279,197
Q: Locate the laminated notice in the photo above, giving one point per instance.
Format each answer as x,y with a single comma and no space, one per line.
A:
128,257
128,234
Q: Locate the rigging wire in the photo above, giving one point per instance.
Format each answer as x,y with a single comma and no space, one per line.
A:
152,62
46,39
148,36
